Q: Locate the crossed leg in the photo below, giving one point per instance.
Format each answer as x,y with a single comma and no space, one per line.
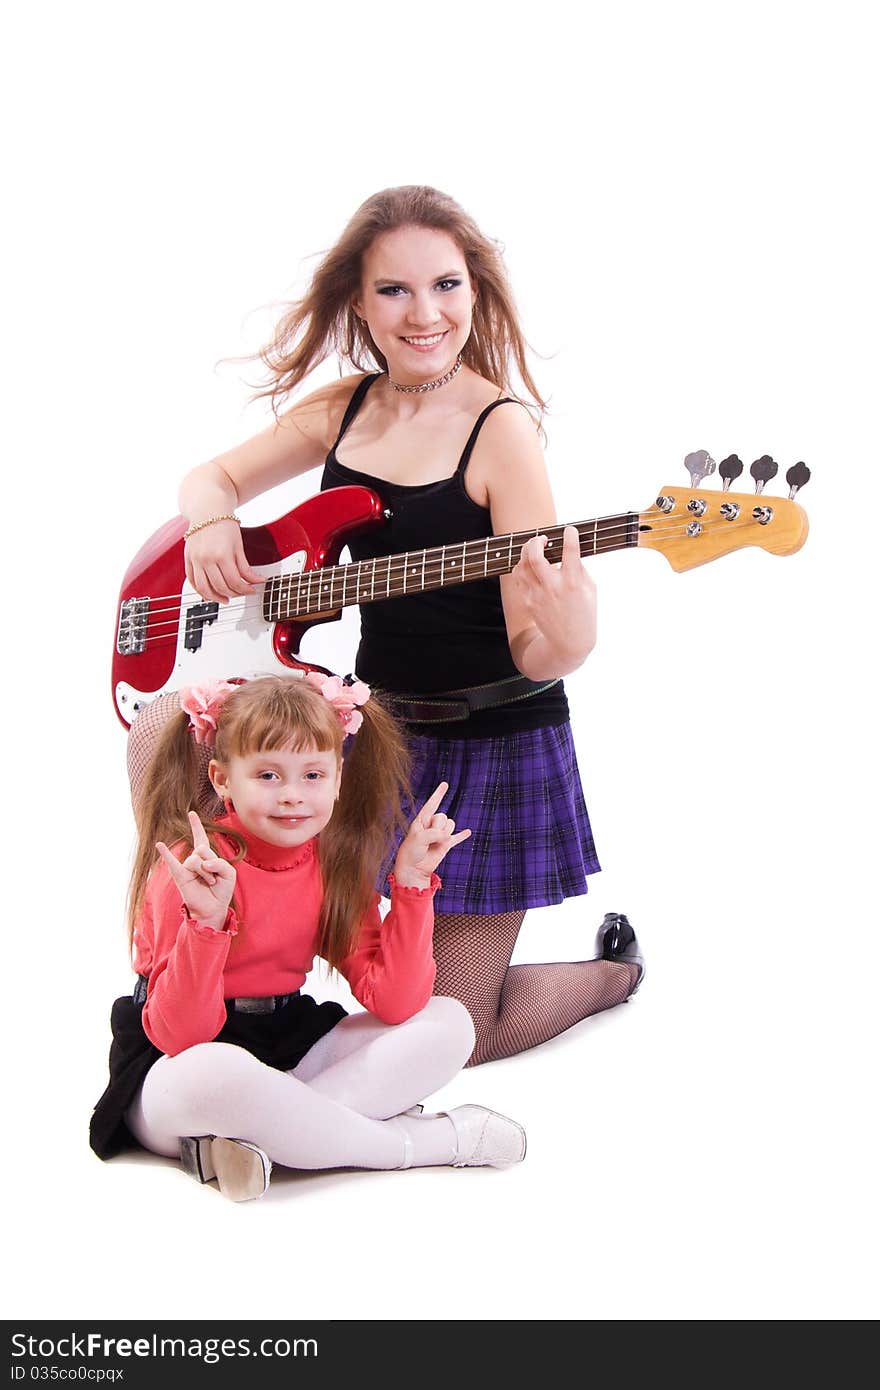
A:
343,1116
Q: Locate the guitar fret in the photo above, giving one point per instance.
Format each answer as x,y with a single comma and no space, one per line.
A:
315,591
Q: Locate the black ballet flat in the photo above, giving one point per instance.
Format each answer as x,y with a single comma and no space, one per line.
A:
617,941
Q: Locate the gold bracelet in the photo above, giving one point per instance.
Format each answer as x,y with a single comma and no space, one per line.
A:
209,522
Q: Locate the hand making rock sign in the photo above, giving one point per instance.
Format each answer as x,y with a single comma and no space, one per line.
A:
430,838
206,881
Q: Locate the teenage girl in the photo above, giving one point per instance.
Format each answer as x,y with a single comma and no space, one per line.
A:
218,1056
414,293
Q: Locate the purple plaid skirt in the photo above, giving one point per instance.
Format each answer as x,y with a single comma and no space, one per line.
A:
520,795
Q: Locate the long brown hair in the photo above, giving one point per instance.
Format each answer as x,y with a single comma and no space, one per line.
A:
277,712
324,319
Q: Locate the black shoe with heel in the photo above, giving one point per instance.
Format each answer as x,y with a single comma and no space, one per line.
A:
616,941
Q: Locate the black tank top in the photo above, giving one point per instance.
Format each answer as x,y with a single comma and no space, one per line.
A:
440,639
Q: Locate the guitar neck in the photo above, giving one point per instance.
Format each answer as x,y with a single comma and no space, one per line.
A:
292,596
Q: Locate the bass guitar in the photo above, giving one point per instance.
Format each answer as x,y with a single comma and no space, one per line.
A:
167,636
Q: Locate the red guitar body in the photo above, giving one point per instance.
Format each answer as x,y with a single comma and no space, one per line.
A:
167,637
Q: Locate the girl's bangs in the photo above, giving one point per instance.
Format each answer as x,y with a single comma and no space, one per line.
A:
291,716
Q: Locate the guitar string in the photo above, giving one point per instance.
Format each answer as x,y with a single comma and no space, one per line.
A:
440,555
397,572
614,517
227,619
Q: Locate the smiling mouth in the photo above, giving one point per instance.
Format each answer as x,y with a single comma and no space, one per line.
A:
428,341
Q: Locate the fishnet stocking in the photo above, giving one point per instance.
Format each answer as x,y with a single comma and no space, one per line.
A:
517,1007
142,739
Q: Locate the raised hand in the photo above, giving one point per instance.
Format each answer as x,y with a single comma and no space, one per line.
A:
431,836
206,882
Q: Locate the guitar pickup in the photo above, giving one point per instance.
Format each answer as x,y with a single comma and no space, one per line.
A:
131,636
198,617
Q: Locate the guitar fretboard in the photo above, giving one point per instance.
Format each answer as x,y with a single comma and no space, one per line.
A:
292,596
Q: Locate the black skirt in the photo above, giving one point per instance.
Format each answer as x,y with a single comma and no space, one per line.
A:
280,1039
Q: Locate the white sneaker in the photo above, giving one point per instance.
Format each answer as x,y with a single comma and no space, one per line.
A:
486,1139
242,1169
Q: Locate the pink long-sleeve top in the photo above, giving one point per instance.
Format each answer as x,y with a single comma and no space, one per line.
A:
269,945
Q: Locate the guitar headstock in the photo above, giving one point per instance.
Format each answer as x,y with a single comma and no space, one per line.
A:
693,525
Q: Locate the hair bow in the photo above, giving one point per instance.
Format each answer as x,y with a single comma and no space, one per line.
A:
344,698
203,704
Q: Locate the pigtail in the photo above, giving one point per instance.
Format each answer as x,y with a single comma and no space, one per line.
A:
355,843
169,791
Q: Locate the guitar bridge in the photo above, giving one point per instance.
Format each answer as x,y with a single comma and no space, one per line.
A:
131,638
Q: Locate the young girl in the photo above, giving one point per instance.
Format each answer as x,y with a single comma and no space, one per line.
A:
415,289
218,1056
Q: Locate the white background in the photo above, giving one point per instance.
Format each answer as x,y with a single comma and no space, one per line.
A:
686,194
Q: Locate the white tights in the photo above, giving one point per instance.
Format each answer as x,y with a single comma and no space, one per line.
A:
335,1108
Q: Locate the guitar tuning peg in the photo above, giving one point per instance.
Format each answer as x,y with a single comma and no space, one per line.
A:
797,477
762,470
730,468
699,465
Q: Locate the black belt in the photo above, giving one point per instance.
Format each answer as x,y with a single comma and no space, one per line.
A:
243,1005
449,706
